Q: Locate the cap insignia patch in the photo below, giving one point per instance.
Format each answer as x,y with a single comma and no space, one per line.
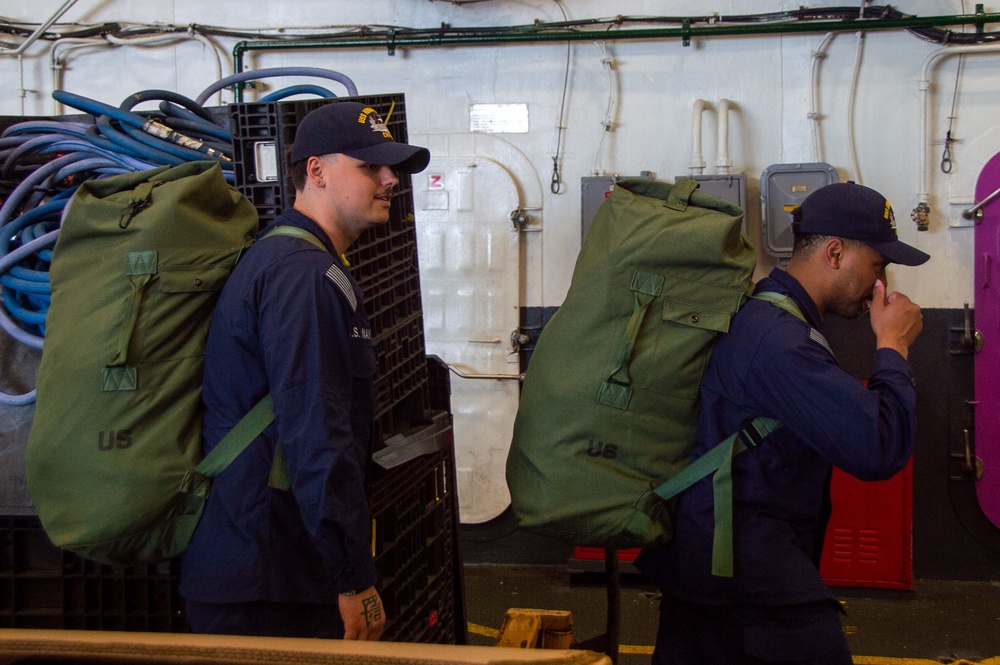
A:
374,121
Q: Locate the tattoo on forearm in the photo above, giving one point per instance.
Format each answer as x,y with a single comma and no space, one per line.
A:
372,611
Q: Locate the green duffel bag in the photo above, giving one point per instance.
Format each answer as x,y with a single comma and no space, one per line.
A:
609,407
136,273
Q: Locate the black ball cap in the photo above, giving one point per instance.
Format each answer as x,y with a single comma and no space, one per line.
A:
853,211
358,131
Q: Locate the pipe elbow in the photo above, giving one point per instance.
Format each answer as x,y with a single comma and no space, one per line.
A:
723,162
697,160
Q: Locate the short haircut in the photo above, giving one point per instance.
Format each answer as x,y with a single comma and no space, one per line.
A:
806,243
297,171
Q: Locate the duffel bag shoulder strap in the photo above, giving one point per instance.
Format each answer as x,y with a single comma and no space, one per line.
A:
238,438
719,460
784,302
296,232
260,416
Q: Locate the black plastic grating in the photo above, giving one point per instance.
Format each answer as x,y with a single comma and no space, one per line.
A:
44,587
415,525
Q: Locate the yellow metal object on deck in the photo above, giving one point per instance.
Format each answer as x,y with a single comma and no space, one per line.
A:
536,629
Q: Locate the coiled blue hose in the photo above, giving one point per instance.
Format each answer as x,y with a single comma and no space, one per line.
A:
201,129
178,144
319,91
49,159
196,120
193,107
127,144
257,74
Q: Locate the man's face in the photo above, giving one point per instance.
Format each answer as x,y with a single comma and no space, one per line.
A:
358,193
859,268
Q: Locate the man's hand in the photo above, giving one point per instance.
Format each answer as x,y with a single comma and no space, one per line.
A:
363,615
896,320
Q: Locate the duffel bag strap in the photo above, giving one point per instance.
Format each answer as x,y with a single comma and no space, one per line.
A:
259,417
296,232
719,460
722,493
680,194
238,438
616,391
119,375
784,302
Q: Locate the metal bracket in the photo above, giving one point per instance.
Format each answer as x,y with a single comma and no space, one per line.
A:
521,221
518,339
518,219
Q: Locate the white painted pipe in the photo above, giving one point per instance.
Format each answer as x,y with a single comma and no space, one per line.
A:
722,162
164,40
852,143
697,160
924,84
57,60
20,50
814,115
39,32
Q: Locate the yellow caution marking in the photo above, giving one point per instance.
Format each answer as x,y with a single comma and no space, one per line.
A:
483,630
630,648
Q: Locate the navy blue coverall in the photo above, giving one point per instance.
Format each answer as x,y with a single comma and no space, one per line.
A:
776,607
289,321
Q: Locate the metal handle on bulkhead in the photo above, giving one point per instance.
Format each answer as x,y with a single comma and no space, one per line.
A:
970,213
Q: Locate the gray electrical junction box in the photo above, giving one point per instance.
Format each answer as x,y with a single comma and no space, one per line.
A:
730,187
782,188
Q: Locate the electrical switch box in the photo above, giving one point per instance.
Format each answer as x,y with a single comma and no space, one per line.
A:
783,187
731,187
593,191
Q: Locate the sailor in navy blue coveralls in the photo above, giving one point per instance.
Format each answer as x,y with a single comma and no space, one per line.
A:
283,322
776,607
291,322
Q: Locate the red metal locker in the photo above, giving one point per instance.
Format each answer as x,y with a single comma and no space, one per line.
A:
869,539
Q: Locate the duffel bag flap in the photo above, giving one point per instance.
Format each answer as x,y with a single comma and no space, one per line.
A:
608,408
136,274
